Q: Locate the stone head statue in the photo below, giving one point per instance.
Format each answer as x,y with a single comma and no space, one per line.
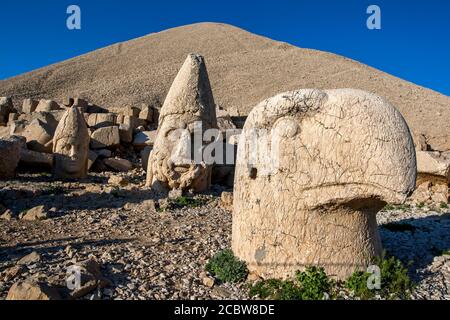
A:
313,169
188,111
71,146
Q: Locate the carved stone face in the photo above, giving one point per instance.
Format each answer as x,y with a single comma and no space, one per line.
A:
189,102
71,146
71,156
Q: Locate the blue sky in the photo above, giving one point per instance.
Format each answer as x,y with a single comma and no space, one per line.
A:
413,44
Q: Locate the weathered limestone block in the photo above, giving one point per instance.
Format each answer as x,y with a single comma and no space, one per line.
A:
433,165
9,156
146,113
6,107
433,178
35,159
29,105
117,164
107,137
126,133
313,169
39,136
71,146
47,106
29,290
50,118
101,120
189,102
92,157
131,111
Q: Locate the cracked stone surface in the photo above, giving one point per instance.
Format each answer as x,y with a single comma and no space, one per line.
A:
189,102
314,167
71,146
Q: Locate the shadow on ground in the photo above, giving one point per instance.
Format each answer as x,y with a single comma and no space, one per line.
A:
417,241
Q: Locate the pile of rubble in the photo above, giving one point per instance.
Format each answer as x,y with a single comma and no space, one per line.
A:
119,139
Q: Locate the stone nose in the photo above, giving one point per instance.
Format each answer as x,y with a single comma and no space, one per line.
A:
73,151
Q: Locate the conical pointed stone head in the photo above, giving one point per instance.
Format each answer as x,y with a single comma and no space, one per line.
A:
190,107
71,146
191,93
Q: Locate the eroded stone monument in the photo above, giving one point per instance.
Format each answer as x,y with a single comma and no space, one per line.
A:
71,146
313,169
189,103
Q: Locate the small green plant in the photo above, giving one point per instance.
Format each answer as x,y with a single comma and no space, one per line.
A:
226,267
443,205
421,205
311,284
395,282
399,227
276,290
188,202
314,283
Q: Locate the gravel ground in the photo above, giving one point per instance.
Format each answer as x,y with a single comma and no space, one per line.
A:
148,254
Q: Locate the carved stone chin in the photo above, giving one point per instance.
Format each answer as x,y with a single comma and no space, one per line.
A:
71,146
313,169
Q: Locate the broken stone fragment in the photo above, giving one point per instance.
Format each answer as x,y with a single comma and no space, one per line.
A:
433,165
39,136
32,291
130,111
118,181
7,215
35,159
126,133
35,214
29,105
101,120
91,278
9,156
117,164
92,157
6,107
13,272
104,153
47,106
107,137
146,113
31,258
310,178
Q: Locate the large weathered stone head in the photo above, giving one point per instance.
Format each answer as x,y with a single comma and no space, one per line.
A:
71,146
313,169
188,111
